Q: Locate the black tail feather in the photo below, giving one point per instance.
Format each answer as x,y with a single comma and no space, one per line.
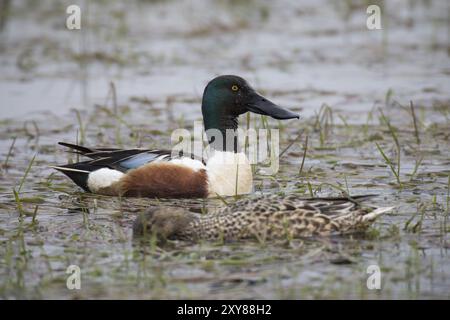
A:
78,173
80,149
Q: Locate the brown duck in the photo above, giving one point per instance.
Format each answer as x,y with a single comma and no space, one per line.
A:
265,218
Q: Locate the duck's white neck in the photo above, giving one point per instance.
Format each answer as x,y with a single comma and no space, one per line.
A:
229,174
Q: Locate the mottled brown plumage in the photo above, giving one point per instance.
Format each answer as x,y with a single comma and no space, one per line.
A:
264,218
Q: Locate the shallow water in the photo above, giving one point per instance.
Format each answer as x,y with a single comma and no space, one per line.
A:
300,55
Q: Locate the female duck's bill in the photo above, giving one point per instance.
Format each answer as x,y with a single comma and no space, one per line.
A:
159,173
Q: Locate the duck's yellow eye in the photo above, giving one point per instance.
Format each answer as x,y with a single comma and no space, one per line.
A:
234,88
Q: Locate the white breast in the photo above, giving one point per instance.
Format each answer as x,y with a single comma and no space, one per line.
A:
223,168
103,178
195,165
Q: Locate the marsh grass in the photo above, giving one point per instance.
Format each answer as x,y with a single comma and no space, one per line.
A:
417,164
33,217
222,199
392,131
10,151
311,193
18,202
365,126
305,149
418,225
120,121
81,136
416,129
27,171
389,163
444,229
246,144
32,133
77,142
115,113
113,97
324,123
236,181
448,195
343,191
287,232
419,155
265,126
292,143
346,185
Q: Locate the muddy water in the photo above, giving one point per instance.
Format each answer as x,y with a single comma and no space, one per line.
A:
55,85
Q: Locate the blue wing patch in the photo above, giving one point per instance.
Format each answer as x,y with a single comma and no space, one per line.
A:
141,159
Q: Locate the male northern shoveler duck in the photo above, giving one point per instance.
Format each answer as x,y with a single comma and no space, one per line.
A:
264,218
159,173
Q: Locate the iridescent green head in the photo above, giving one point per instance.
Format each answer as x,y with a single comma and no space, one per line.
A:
226,97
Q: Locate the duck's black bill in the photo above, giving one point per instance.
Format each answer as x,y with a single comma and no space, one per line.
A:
260,105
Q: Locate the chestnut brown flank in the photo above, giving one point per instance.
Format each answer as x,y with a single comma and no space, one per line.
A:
164,180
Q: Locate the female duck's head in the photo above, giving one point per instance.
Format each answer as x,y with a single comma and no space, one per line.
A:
227,97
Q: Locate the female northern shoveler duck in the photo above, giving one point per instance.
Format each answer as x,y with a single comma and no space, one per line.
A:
159,173
265,218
